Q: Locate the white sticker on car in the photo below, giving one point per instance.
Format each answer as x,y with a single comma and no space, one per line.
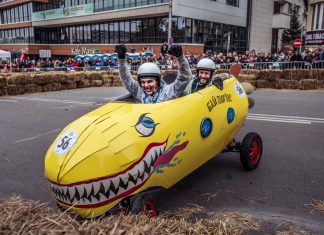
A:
66,142
239,89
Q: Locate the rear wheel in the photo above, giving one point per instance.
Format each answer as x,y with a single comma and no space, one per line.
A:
144,203
251,151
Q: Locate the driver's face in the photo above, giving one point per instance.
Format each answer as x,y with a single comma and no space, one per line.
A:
204,76
149,85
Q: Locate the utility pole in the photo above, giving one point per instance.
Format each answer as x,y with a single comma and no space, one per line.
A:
228,42
170,41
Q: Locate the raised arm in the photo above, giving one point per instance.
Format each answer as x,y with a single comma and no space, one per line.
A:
184,73
125,76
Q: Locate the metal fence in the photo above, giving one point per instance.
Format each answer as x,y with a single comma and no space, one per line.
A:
256,65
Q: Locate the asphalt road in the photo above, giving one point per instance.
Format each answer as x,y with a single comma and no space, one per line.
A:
289,178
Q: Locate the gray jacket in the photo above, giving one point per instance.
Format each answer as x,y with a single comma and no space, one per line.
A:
166,91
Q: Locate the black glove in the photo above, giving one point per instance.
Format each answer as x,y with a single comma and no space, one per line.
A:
175,50
218,82
121,51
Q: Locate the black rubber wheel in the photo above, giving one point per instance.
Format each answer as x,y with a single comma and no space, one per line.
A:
144,203
251,151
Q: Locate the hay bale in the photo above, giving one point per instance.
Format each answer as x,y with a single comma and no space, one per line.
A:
15,89
320,84
96,83
317,74
264,84
3,81
75,77
308,84
286,84
33,88
54,86
93,76
68,85
3,91
269,75
246,78
83,84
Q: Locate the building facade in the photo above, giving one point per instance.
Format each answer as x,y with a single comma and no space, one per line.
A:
270,19
68,27
315,24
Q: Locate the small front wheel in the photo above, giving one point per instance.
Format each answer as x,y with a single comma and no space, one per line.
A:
144,203
251,151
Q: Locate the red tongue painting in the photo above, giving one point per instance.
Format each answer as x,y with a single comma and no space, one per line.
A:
165,158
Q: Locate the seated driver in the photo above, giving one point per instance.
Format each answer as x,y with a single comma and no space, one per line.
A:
204,78
150,88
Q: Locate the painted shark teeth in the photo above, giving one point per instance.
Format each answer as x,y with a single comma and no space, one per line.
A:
96,193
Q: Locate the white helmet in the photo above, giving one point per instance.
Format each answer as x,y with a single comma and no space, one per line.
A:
149,69
206,64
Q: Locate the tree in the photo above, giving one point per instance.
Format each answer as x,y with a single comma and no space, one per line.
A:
289,35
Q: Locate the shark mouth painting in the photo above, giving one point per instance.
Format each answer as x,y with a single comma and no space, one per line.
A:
101,191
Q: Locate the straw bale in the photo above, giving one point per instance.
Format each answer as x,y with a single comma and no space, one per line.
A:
3,91
19,79
3,81
320,84
269,75
68,85
96,83
303,74
83,83
28,217
317,74
308,84
93,76
33,88
286,84
54,86
75,77
246,78
264,84
15,89
252,72
115,72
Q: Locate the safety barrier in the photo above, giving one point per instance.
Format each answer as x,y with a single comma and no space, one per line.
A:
255,65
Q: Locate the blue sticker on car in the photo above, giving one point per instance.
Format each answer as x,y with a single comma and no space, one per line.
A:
230,115
206,127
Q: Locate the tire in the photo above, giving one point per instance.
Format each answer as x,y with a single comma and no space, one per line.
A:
144,203
251,151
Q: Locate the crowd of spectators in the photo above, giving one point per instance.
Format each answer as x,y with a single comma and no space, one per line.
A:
167,62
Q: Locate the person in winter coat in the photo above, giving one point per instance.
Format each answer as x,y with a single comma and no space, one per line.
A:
150,88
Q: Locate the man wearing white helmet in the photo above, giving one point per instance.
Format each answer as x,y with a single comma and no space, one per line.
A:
205,69
150,88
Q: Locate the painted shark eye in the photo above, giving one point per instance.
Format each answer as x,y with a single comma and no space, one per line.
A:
145,125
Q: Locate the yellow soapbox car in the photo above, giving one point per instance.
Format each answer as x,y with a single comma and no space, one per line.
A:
108,157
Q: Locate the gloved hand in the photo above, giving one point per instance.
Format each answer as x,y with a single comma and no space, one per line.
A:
218,82
175,50
121,51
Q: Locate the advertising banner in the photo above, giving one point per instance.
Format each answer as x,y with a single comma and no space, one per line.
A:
63,12
315,38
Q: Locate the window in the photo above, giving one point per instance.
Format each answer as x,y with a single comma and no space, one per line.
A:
234,3
276,8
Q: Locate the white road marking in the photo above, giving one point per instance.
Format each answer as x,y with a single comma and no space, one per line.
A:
56,100
278,120
12,101
293,117
286,119
37,136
